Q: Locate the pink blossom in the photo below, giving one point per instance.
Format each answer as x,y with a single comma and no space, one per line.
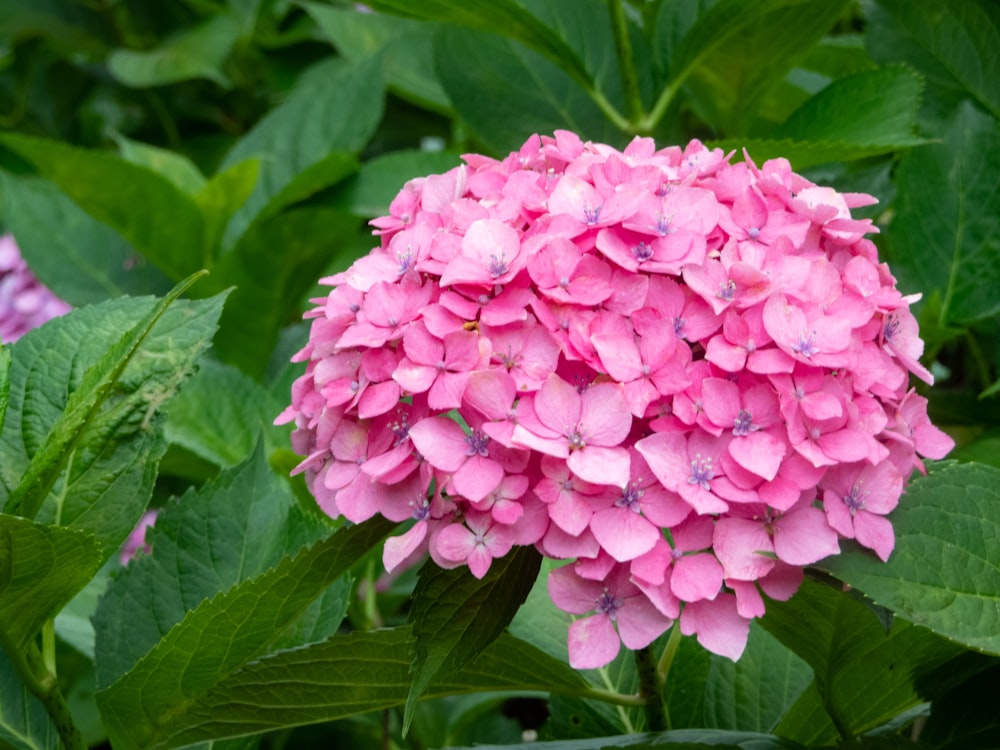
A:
24,302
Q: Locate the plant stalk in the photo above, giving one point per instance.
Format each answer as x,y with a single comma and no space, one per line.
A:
41,683
650,690
626,63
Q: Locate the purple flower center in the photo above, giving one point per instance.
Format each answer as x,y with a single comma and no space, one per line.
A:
405,260
743,424
679,324
631,495
806,345
891,327
663,225
401,427
701,471
498,266
477,441
855,499
576,439
727,290
421,509
608,605
753,233
642,252
591,215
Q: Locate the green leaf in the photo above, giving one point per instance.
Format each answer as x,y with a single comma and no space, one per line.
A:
966,718
404,44
945,234
753,693
379,180
80,259
221,636
953,43
83,411
4,382
270,285
683,739
198,52
82,407
728,86
479,71
176,167
349,675
871,108
502,16
335,107
944,573
41,569
148,210
220,198
24,724
231,530
74,624
455,615
865,676
219,414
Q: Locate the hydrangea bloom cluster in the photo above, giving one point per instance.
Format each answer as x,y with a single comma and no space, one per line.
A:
24,302
687,377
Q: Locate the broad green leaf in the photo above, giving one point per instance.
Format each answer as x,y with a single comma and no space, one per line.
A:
944,573
954,43
945,234
373,188
349,675
80,259
174,166
966,718
220,198
807,720
148,210
864,675
83,416
24,724
506,92
4,382
682,739
753,693
221,636
728,86
405,46
82,407
271,285
506,17
41,568
984,449
328,171
198,52
220,413
455,615
335,107
231,530
871,108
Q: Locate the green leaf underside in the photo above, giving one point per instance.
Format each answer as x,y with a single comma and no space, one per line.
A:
455,615
82,435
944,573
349,675
946,233
221,635
41,568
80,259
235,528
110,189
311,126
864,676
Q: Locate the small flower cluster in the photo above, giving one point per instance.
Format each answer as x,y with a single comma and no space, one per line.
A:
24,302
687,376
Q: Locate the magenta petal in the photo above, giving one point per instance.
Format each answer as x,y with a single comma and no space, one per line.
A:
742,547
759,452
696,577
398,548
605,417
623,533
875,532
804,537
593,642
441,441
717,623
600,465
477,478
640,623
557,404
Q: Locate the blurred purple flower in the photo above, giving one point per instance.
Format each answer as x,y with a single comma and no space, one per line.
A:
25,303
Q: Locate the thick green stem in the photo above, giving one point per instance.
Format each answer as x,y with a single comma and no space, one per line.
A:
626,62
650,690
30,667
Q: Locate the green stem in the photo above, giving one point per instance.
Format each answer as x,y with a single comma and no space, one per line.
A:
662,104
650,690
29,666
608,696
626,61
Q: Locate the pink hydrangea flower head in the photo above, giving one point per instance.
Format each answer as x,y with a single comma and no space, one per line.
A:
685,376
25,303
